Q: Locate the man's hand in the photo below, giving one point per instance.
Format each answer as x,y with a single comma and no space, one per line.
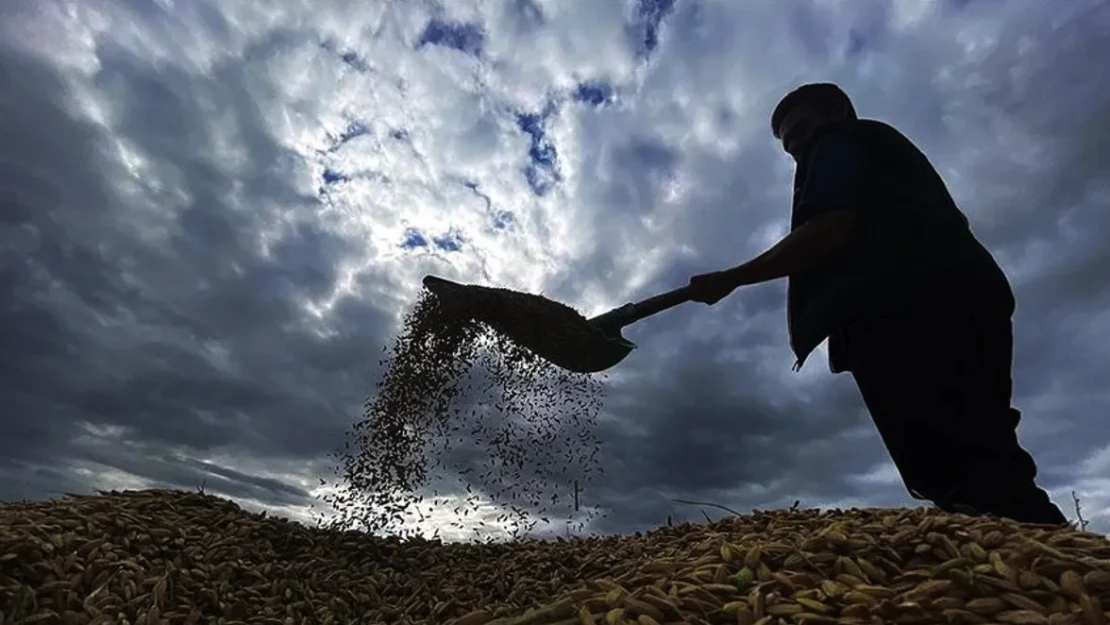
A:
817,242
710,288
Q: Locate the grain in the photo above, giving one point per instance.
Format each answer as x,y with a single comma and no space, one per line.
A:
178,557
865,567
145,557
463,407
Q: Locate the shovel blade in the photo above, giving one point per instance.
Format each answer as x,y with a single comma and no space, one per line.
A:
598,348
597,357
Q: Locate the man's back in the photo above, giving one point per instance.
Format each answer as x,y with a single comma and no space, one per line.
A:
916,234
913,247
882,262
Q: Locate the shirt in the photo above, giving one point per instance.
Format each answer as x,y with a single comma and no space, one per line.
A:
912,246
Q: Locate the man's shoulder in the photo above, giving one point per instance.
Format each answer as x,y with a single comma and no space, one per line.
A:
864,129
875,123
834,143
882,141
855,133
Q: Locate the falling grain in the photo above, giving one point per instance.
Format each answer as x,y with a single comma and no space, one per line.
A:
461,400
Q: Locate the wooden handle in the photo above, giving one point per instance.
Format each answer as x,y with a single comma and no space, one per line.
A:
659,303
617,318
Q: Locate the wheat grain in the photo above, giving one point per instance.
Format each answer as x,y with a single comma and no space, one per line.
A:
906,566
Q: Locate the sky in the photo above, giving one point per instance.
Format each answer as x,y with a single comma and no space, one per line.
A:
213,216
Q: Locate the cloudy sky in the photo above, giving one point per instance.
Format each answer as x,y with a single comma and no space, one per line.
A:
213,214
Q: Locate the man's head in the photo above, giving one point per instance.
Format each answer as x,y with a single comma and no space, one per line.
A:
806,109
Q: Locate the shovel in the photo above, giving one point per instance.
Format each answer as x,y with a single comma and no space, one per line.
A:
598,341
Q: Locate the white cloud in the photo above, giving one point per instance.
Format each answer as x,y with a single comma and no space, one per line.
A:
376,140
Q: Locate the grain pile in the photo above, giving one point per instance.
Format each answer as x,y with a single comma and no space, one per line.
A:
463,407
140,558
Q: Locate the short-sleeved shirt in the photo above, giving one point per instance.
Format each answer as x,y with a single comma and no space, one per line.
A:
834,178
912,246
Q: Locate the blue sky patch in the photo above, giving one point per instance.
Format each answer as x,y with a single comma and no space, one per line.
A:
649,18
466,38
503,219
355,61
353,130
595,93
414,239
352,59
451,242
542,172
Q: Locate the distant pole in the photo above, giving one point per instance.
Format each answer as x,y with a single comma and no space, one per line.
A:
576,495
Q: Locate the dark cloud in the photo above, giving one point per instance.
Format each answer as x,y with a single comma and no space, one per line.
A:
203,251
706,424
178,327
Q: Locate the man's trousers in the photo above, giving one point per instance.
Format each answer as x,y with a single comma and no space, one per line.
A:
938,385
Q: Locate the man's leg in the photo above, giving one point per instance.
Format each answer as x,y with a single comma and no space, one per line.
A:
938,386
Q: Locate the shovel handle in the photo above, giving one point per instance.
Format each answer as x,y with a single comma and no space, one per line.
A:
628,314
657,304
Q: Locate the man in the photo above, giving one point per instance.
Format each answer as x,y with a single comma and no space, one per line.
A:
882,263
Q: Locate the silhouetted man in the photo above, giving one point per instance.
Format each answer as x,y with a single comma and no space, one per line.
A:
882,263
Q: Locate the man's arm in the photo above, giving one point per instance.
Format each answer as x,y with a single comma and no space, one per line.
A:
816,243
830,200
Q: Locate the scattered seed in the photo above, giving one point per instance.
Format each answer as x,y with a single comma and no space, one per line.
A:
462,405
